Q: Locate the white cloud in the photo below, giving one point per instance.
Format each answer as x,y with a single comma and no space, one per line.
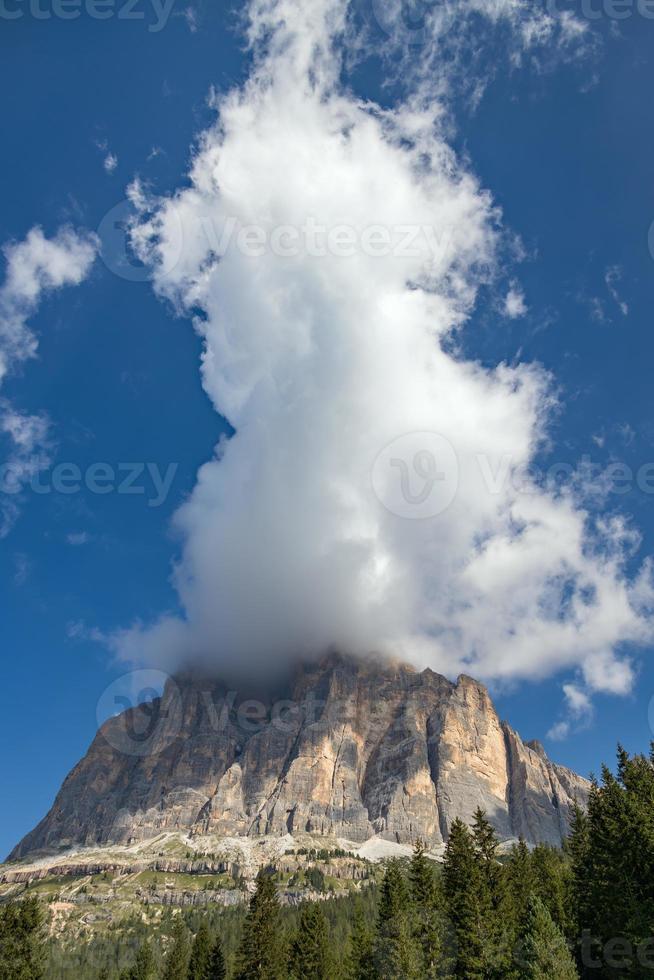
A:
579,713
22,568
319,361
190,15
559,731
459,46
598,307
578,701
34,267
110,162
514,304
626,433
109,159
612,277
78,538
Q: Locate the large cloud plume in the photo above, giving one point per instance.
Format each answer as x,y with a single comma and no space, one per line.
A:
328,251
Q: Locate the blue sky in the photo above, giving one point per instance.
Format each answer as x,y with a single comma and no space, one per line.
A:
566,154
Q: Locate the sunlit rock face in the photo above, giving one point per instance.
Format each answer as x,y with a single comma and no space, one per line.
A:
347,747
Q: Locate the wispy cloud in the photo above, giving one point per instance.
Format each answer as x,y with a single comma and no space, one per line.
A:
612,278
190,15
22,568
34,268
78,538
109,159
110,163
514,303
578,713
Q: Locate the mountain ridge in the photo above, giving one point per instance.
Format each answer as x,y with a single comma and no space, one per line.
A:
357,748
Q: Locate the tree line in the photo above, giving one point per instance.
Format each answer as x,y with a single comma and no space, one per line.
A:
584,911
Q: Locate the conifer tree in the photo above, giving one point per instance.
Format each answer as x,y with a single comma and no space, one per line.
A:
22,952
552,882
144,967
200,954
577,848
520,881
217,966
612,856
495,926
485,840
428,925
359,961
463,888
543,949
422,878
261,955
310,952
176,967
396,952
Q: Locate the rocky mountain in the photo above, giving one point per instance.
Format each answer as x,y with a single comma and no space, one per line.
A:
346,747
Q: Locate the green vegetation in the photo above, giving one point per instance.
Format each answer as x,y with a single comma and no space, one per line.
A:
177,961
22,952
530,914
310,954
262,953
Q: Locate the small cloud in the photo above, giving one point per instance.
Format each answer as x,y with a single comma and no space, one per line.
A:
578,710
597,312
75,630
110,162
605,672
514,304
78,630
612,277
579,703
78,538
190,15
22,568
626,433
559,732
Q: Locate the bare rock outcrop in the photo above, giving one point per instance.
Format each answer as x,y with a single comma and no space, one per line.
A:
351,748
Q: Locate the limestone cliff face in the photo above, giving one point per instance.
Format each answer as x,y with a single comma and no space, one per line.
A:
352,748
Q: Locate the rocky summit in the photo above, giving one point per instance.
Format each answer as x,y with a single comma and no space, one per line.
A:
348,748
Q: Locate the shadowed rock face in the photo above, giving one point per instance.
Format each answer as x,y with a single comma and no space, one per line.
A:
353,748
